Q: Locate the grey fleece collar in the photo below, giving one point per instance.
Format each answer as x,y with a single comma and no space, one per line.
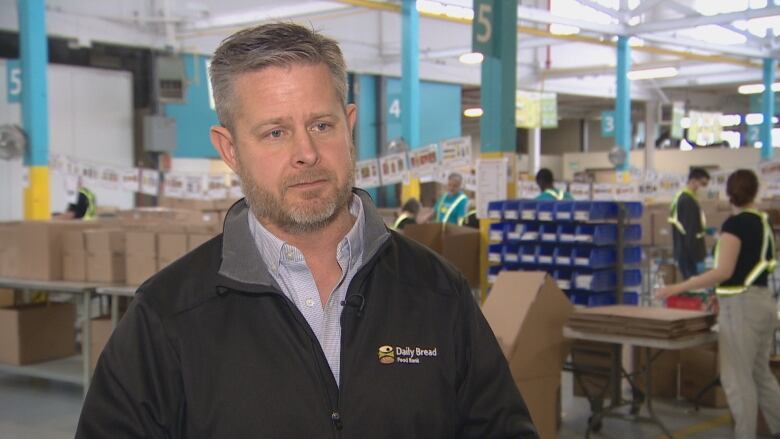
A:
241,260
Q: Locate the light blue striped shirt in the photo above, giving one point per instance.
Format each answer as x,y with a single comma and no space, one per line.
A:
288,268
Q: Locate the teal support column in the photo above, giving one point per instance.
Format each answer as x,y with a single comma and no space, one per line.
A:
365,89
35,109
768,109
498,132
623,100
410,73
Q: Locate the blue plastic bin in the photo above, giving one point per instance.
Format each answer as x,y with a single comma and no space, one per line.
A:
498,231
563,277
527,254
509,254
604,210
545,255
493,273
606,234
515,232
530,232
606,280
563,256
512,210
545,211
528,210
496,210
567,233
548,232
495,251
564,211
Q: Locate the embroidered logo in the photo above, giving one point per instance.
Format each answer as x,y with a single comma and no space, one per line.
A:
386,355
408,355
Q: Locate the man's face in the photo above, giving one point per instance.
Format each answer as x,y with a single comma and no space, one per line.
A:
291,145
700,183
453,186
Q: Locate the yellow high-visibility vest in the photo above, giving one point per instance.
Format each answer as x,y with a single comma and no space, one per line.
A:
558,195
764,264
400,219
462,219
91,212
451,208
674,219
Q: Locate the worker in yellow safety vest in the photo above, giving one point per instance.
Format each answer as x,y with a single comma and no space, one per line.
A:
451,207
546,182
85,207
408,215
689,224
747,316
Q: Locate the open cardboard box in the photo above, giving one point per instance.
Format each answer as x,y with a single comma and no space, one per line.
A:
458,245
527,312
37,332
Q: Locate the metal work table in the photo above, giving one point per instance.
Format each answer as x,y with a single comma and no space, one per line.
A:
116,291
647,344
64,369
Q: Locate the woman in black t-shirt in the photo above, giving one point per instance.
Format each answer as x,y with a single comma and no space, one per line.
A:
748,311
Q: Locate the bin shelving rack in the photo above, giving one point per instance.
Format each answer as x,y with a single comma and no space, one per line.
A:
589,247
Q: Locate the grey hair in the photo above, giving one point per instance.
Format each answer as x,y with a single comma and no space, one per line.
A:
271,45
456,176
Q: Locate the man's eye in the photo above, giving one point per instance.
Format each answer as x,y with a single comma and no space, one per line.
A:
275,134
322,126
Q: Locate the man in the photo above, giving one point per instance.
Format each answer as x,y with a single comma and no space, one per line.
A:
546,183
451,206
688,224
84,208
296,322
409,212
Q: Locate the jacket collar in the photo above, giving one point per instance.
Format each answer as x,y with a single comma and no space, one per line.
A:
241,260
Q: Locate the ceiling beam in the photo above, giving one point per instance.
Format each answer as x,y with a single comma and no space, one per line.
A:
534,15
702,20
645,6
685,9
258,15
600,8
739,50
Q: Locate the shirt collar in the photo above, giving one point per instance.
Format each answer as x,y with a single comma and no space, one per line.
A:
274,251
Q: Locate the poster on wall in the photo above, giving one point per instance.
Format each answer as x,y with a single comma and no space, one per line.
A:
527,189
173,185
367,174
456,153
90,175
109,177
216,187
770,189
669,184
769,171
580,191
194,187
150,181
130,180
491,183
423,161
392,168
604,191
234,186
627,192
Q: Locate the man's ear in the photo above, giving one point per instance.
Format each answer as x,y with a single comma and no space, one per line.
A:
223,143
351,117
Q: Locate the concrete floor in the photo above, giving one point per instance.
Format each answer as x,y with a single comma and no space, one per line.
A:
41,409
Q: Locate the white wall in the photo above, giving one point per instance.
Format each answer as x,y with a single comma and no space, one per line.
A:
90,119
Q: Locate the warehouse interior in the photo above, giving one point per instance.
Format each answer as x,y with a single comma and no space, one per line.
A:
110,104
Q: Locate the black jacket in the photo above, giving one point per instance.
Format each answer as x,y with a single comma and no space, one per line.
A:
691,245
210,348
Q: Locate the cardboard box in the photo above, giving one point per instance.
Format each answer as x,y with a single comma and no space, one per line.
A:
138,268
593,360
106,267
664,371
542,397
100,332
9,249
141,243
7,297
105,241
646,222
527,312
699,367
662,230
34,333
170,247
74,266
195,240
40,256
458,245
669,273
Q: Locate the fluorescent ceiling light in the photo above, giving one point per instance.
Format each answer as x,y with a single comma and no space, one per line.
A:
563,29
473,112
636,42
471,58
750,89
663,72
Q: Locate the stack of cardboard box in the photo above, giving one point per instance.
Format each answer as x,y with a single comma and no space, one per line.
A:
105,255
458,245
527,312
74,256
170,247
140,256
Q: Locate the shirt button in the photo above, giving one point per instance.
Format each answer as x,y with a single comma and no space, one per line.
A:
289,254
309,302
